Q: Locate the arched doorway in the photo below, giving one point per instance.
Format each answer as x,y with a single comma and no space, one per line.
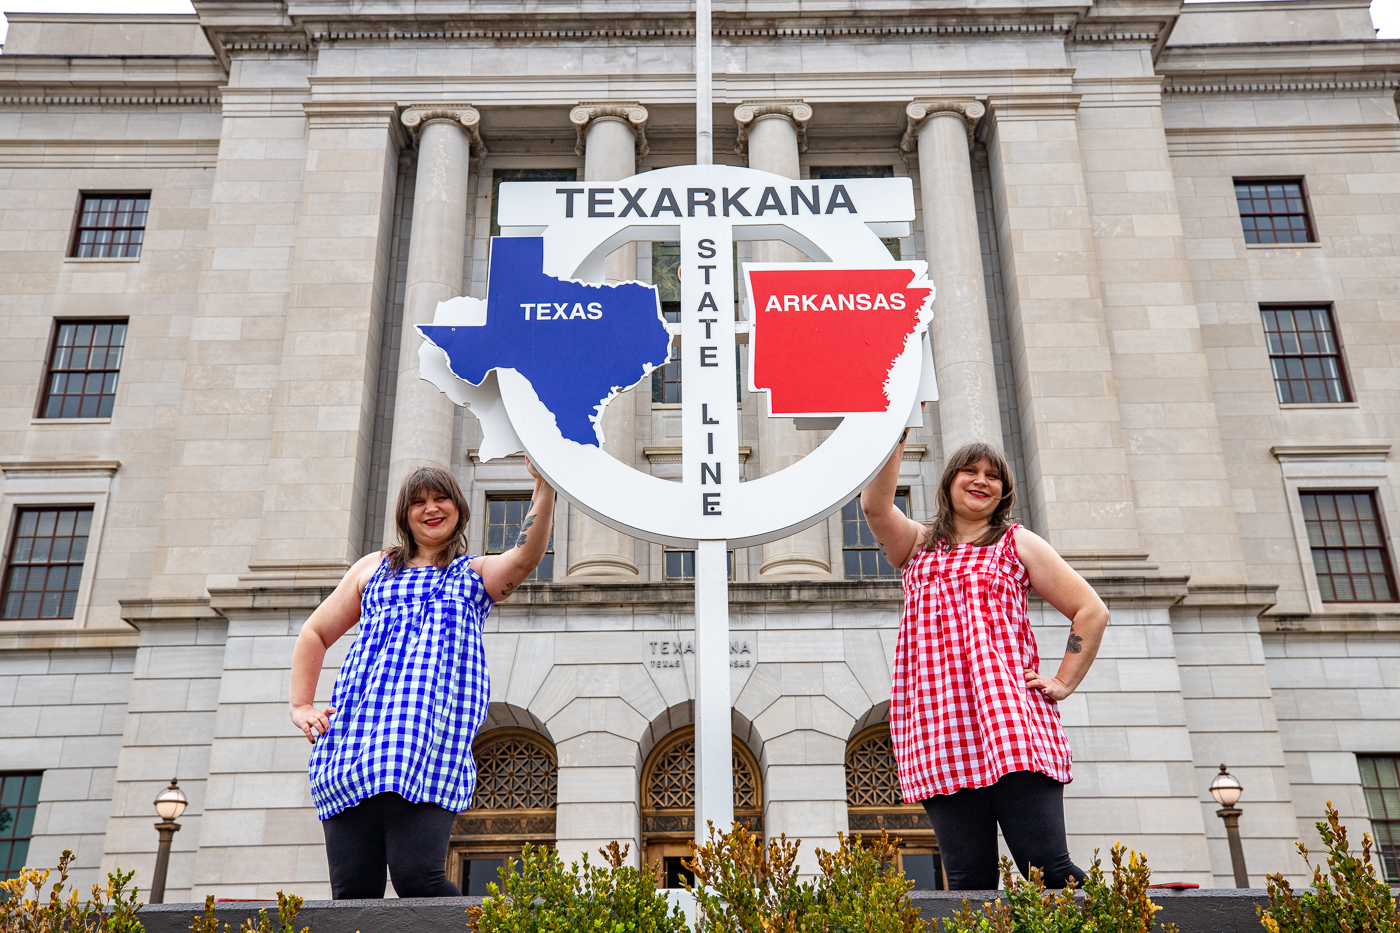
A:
517,793
668,801
873,803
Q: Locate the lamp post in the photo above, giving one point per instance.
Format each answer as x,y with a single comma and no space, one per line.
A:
170,803
1226,790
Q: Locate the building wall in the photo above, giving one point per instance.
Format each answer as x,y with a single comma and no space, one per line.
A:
246,459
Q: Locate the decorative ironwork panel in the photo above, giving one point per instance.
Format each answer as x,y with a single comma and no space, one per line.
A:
671,781
872,776
515,772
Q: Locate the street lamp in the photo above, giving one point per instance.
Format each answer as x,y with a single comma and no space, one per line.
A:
1226,790
170,803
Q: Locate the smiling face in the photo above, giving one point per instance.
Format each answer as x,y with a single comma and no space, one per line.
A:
432,517
976,491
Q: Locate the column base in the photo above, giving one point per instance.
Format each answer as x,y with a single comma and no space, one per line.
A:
603,568
794,567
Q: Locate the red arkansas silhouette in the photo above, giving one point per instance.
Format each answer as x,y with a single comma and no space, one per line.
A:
824,340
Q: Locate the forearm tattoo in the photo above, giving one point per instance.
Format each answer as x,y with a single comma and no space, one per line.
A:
1076,644
524,537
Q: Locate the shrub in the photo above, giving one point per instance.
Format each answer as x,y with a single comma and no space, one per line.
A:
743,885
109,910
544,896
1110,904
1347,898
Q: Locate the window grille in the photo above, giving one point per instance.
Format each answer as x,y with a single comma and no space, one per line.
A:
1274,211
1348,547
45,563
19,797
111,226
862,557
504,516
515,771
1304,354
665,275
670,783
679,564
84,363
1380,782
872,775
666,380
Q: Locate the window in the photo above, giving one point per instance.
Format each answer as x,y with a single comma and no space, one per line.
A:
517,793
504,515
862,557
1274,211
84,362
111,225
1304,354
679,564
665,275
1380,781
523,174
46,563
1348,547
666,380
874,804
19,795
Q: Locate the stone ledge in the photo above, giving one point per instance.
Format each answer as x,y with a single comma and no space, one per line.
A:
1195,911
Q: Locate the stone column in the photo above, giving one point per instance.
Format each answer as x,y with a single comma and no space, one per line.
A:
422,414
962,336
772,133
612,140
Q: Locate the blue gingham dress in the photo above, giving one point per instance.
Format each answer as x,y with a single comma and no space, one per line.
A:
411,694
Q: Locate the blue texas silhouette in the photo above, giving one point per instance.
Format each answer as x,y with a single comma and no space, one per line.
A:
576,343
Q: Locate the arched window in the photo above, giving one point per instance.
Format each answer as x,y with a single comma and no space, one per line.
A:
873,803
668,800
517,792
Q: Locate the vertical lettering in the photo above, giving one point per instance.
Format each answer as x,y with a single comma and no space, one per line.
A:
712,474
710,504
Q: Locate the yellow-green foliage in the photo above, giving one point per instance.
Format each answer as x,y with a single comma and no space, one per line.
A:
539,894
109,910
288,906
206,923
1347,898
743,885
1116,903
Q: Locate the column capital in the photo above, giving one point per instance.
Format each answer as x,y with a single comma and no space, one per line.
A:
750,111
630,112
967,110
467,117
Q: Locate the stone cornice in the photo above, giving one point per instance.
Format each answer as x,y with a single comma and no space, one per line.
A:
969,111
750,111
417,116
1175,86
630,112
356,114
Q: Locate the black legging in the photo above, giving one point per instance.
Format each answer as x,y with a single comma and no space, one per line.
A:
386,829
1031,810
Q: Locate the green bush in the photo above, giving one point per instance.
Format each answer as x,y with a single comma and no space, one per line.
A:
541,895
112,910
743,885
1110,904
1348,898
288,906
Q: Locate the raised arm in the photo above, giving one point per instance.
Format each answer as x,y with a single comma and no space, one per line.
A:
502,573
1060,586
897,534
333,618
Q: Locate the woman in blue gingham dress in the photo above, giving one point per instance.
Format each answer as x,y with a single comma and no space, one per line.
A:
391,764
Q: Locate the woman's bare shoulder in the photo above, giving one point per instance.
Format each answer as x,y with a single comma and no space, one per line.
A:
360,572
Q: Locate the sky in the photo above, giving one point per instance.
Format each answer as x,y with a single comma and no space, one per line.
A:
1384,13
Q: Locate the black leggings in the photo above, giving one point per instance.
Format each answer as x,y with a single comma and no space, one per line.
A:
1031,810
410,837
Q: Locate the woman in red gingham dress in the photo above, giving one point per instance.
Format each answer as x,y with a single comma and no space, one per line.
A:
975,725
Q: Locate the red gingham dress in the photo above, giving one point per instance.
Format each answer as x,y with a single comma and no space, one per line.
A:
960,712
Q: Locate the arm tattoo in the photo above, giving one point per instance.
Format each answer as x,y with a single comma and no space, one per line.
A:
1076,644
523,537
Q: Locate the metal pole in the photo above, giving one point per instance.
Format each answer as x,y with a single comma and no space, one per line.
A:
714,752
704,87
167,830
1231,816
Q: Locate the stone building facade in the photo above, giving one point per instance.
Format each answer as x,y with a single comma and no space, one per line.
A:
1167,246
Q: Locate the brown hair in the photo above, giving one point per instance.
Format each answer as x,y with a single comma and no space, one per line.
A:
965,456
428,479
